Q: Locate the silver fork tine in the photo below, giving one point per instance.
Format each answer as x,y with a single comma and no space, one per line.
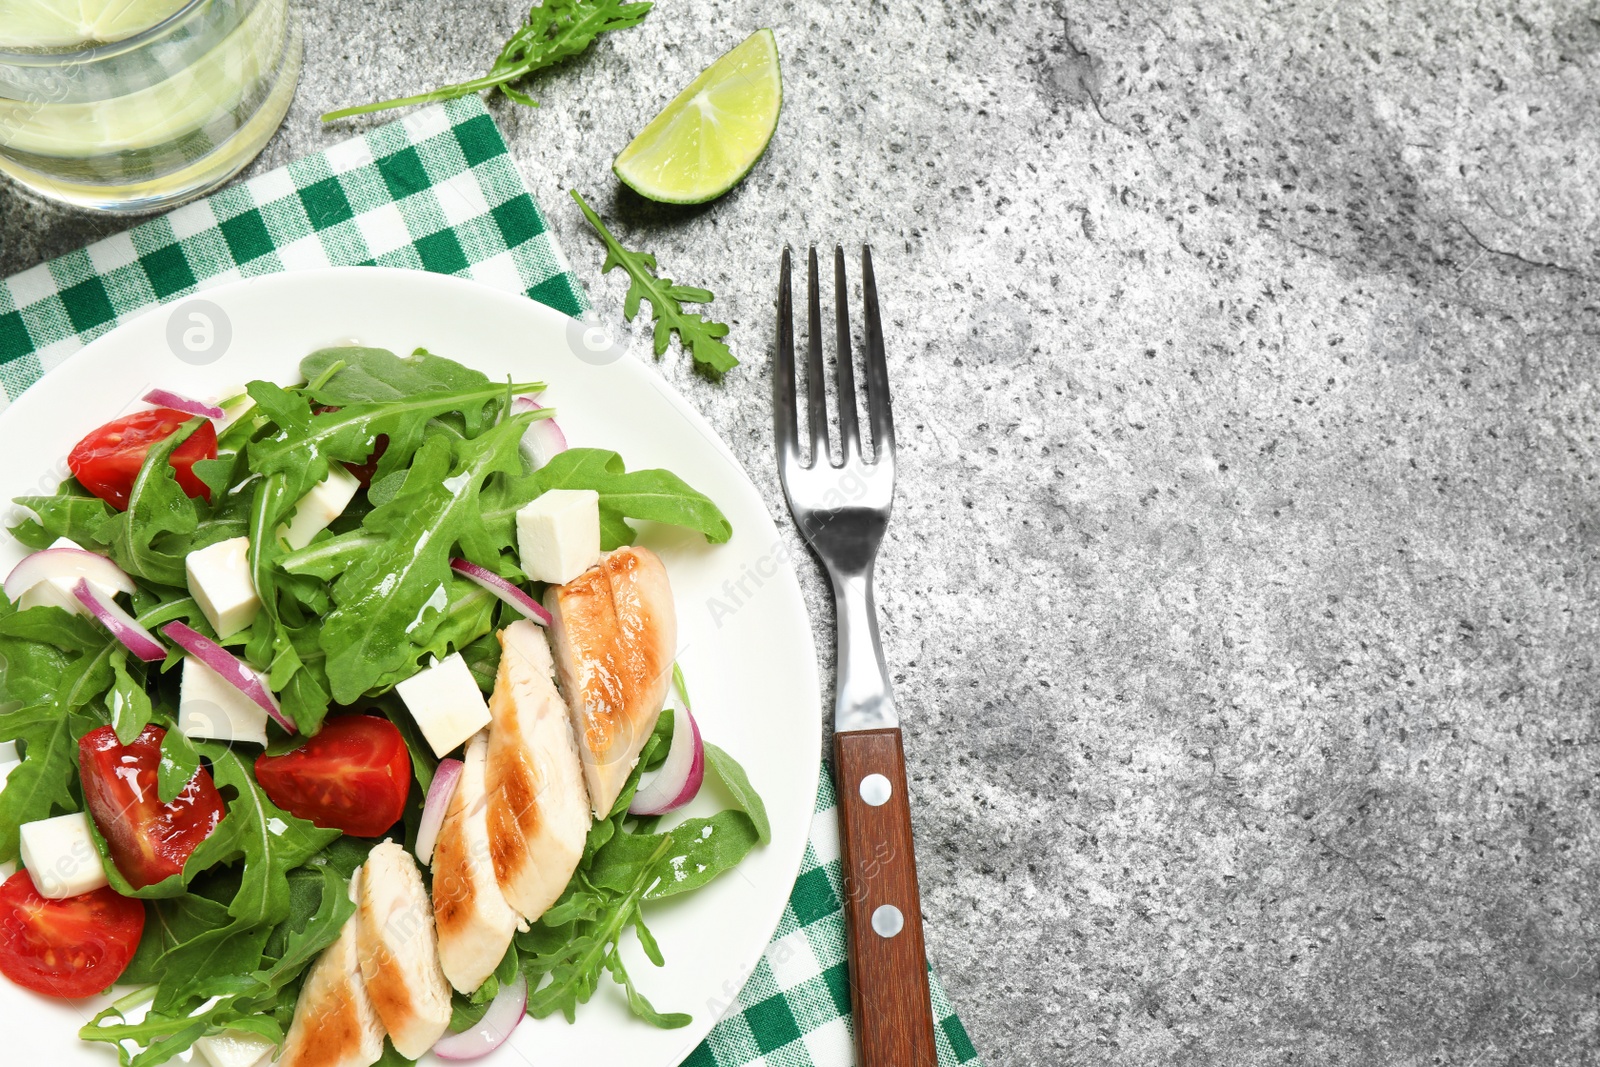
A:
878,409
783,407
816,384
849,432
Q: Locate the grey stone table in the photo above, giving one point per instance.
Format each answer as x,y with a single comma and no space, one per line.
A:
1242,591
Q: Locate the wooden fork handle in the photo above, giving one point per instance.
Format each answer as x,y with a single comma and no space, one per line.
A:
888,963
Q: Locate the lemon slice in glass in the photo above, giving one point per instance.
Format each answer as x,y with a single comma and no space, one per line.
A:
77,23
709,137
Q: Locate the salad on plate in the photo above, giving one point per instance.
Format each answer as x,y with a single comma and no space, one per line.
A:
334,725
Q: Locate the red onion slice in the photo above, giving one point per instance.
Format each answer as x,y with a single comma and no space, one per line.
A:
676,781
437,803
163,399
543,439
231,668
500,587
123,627
506,1010
68,564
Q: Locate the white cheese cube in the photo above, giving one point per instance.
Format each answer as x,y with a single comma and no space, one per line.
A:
558,535
220,582
234,1048
57,592
445,701
318,508
61,857
210,708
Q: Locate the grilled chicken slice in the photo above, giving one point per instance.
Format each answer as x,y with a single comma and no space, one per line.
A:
400,951
335,1024
615,633
474,922
538,807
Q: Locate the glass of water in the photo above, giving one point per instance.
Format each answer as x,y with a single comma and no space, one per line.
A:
137,105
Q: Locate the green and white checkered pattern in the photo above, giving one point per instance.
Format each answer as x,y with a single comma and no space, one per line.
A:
434,191
437,191
795,1009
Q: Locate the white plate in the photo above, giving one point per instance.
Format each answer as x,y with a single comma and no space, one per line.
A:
745,642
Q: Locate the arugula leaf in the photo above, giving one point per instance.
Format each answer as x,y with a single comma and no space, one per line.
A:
56,668
466,1012
43,785
52,626
220,474
556,31
169,923
300,454
131,710
368,375
306,944
575,941
271,841
259,1000
157,505
646,495
329,558
652,495
72,513
641,1007
289,410
385,489
692,854
210,960
699,333
297,675
270,503
732,775
483,660
179,761
271,844
393,598
468,616
574,963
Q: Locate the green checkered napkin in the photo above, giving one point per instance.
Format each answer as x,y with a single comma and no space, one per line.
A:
436,191
795,1010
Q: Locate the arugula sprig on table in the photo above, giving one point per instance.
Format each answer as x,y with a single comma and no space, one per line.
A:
554,31
698,333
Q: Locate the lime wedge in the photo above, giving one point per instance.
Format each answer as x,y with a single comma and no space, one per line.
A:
74,23
709,137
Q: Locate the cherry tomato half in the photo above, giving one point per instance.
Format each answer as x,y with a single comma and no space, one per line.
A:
353,776
67,948
149,840
108,460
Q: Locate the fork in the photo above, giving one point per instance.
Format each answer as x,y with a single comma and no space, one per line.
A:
842,510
